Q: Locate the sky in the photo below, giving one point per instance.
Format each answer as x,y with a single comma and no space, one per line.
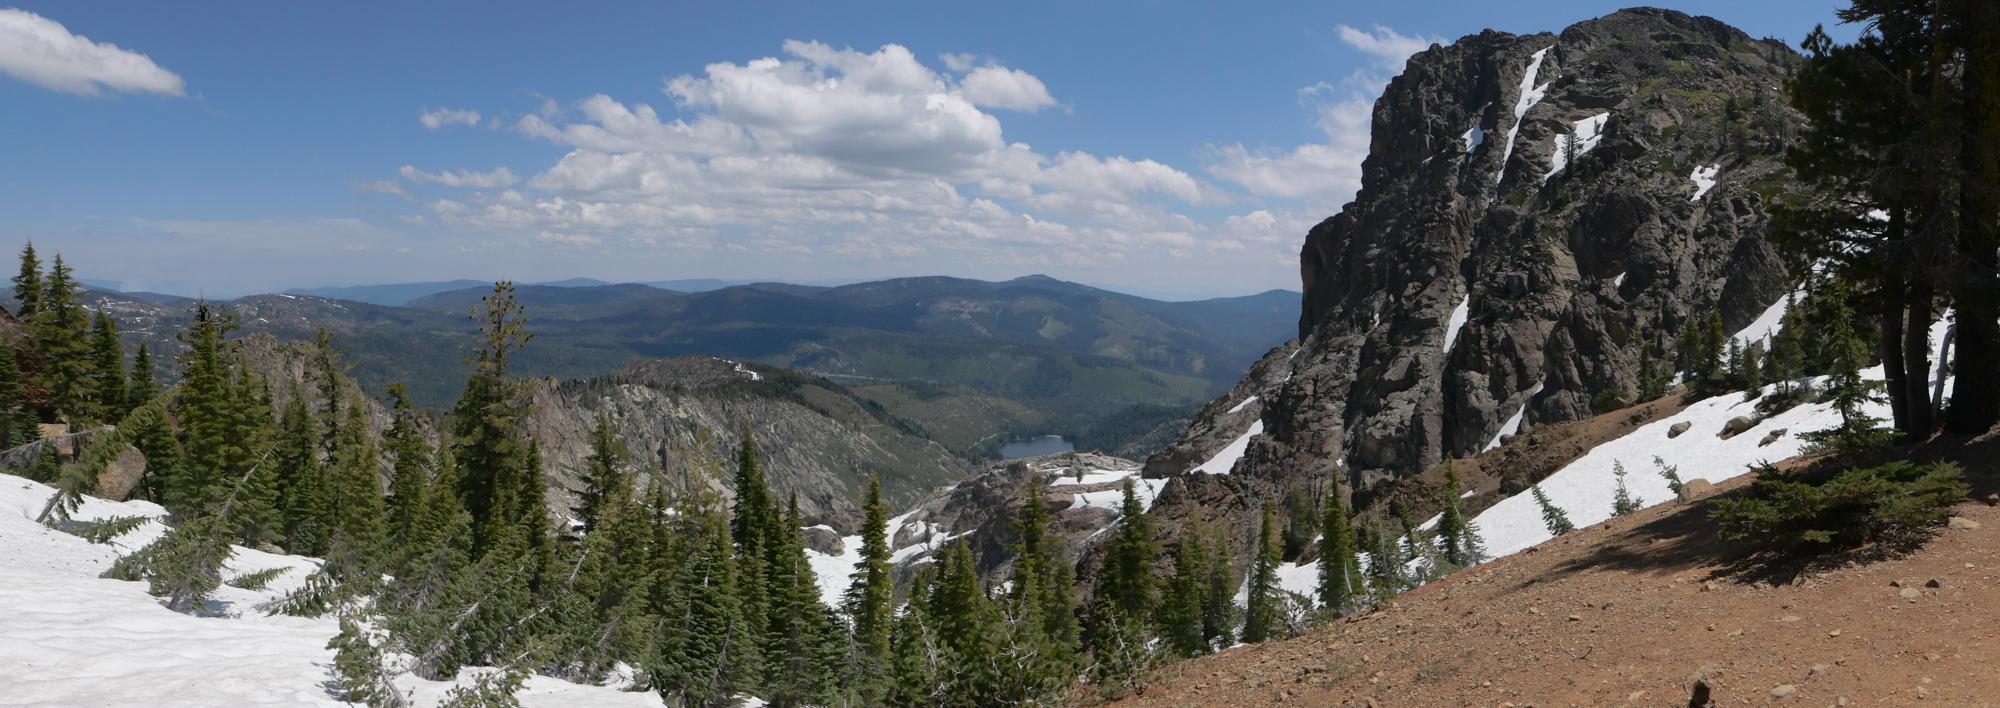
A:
1169,149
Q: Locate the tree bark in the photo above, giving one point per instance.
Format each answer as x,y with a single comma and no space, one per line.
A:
1917,320
1890,344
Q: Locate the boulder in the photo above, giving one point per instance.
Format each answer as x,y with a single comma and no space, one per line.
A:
1736,426
1678,428
122,476
824,540
1772,437
1695,489
1960,522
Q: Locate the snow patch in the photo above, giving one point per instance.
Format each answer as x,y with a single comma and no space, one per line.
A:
1513,424
1589,132
1766,325
1530,95
1225,459
1704,179
1458,317
1245,404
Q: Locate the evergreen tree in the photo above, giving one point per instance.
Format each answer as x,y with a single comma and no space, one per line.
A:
485,438
1126,581
799,630
1553,517
143,388
28,286
917,656
358,670
205,413
706,654
107,369
871,595
1039,637
255,518
965,622
1846,354
17,416
408,476
1186,596
1120,655
1219,611
1340,579
1262,617
60,328
305,496
1458,539
602,473
1388,560
358,517
1622,501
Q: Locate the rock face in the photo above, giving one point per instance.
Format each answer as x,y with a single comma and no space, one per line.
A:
1536,213
688,414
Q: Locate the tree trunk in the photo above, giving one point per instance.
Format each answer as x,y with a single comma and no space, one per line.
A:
1891,347
1975,404
1917,320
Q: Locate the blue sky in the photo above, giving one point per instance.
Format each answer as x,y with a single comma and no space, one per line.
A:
1173,149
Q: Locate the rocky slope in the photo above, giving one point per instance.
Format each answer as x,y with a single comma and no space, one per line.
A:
1536,212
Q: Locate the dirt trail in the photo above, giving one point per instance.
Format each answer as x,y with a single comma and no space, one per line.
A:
1628,612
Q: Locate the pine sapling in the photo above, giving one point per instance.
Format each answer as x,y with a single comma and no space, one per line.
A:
1553,517
1622,501
1670,473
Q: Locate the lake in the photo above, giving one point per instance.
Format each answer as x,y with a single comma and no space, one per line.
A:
1035,447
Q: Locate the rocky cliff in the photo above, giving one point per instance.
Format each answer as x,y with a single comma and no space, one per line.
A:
1536,212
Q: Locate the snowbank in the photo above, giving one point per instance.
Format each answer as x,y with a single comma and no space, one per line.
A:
1589,132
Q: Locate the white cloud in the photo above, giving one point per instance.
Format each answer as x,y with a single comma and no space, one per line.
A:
435,118
497,178
1008,89
382,186
1389,48
1325,173
41,51
568,239
959,62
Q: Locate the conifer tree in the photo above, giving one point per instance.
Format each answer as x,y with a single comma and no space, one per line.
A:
107,369
143,388
918,661
60,328
255,518
1185,597
1458,540
603,472
1120,655
871,594
1553,517
304,492
1126,580
1622,501
1340,580
798,629
1846,354
485,421
1037,641
1262,616
358,670
17,416
358,518
28,286
205,413
408,477
706,654
1387,562
964,620
1219,611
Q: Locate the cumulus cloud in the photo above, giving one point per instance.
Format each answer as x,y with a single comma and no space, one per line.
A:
1325,173
1008,89
435,118
43,52
494,179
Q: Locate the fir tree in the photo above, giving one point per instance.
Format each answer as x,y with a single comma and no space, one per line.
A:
1622,501
1340,579
304,492
205,415
1458,540
871,594
256,517
358,670
964,620
1120,656
60,328
1126,581
1039,637
1219,611
1185,597
918,661
409,475
602,473
485,421
17,416
143,388
358,518
1668,472
28,286
108,396
1262,617
1846,354
1553,517
706,655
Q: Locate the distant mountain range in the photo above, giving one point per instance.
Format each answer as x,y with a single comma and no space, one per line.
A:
974,361
403,293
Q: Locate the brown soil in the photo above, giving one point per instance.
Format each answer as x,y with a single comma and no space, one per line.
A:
1630,611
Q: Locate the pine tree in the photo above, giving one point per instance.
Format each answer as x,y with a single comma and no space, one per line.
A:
871,594
602,472
706,654
1553,517
1668,472
60,328
1262,617
1458,539
798,626
1340,579
204,412
358,670
1039,637
485,439
917,657
1219,611
1846,354
107,369
964,620
1388,560
28,286
1126,580
305,494
255,518
408,477
17,416
358,518
1185,597
1120,655
143,388
1622,501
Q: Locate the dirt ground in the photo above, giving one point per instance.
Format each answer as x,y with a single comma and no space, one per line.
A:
1632,611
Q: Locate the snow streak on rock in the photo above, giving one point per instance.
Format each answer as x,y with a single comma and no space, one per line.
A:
1530,95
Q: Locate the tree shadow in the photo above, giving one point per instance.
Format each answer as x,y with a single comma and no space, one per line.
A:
1686,538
